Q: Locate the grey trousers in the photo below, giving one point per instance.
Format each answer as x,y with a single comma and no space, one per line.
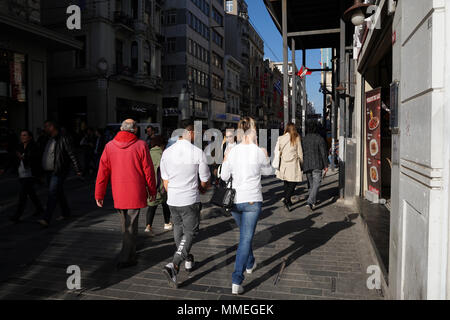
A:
186,223
314,181
129,222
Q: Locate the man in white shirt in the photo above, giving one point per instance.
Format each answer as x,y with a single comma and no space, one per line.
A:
181,166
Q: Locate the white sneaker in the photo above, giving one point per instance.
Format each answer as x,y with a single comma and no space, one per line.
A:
237,289
168,226
189,263
249,271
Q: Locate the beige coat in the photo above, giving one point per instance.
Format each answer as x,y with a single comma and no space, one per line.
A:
290,160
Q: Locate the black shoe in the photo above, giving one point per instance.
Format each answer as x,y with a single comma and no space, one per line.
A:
171,274
38,213
311,206
189,263
15,219
287,207
227,213
123,265
43,223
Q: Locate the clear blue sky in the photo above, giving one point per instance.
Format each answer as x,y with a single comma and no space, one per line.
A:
273,49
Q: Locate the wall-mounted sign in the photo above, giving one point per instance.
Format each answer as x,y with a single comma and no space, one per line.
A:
394,105
373,146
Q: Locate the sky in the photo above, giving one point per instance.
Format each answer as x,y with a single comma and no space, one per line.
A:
273,49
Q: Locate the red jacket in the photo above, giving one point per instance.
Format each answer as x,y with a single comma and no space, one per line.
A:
127,161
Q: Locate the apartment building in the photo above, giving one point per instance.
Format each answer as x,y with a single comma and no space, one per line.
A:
117,74
193,64
24,47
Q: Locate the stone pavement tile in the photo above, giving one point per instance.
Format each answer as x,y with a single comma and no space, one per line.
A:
202,295
146,296
307,291
97,297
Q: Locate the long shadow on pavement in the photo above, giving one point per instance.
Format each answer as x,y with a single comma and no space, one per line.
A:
303,243
261,238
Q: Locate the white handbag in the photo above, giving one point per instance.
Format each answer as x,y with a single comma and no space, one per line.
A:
277,156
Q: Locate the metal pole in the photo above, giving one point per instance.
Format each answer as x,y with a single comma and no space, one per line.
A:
305,100
285,63
343,111
294,82
333,113
324,109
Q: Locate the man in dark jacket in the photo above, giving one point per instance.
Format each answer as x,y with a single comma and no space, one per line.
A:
57,157
28,165
315,159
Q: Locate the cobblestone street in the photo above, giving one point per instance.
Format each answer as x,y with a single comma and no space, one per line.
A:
325,250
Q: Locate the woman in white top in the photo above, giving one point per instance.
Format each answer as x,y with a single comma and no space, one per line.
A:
288,152
245,163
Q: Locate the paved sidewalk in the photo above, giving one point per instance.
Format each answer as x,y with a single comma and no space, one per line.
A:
326,256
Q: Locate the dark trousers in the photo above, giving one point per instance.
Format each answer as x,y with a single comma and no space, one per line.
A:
56,195
151,211
186,223
26,190
129,219
289,188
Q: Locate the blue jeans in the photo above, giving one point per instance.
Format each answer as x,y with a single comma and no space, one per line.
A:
56,195
246,216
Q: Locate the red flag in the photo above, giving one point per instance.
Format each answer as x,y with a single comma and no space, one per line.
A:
303,72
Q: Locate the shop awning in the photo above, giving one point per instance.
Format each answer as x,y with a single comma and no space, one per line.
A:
53,40
313,24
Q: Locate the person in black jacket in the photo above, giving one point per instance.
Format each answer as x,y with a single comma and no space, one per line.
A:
315,159
28,169
56,159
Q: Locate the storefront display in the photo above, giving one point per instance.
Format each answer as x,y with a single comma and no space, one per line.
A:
373,118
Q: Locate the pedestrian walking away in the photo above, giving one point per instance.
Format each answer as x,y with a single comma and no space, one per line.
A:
126,161
245,163
57,157
288,161
315,161
181,166
157,145
29,168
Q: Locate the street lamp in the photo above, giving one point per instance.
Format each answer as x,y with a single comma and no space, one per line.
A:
356,13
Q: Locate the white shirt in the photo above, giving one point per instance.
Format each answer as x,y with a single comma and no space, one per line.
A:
246,163
48,158
181,164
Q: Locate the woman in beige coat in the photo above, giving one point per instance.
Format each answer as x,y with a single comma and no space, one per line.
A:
288,161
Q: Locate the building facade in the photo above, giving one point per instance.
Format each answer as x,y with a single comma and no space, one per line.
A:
400,90
233,94
24,47
300,92
117,74
193,64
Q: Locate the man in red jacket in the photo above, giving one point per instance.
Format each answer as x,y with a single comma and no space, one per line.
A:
126,161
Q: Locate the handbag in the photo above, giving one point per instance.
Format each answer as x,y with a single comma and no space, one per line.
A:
277,157
223,195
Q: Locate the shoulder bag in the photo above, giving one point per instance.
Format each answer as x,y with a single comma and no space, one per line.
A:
223,195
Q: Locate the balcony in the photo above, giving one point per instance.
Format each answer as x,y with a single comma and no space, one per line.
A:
127,75
123,20
29,11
